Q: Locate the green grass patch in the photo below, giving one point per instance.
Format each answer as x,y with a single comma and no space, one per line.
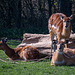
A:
38,68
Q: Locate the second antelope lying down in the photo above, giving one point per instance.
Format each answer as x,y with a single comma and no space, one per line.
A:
22,53
63,56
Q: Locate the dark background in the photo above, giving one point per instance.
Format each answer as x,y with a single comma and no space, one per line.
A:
31,16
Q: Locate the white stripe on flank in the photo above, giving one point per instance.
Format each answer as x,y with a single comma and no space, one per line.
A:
59,25
53,27
24,56
56,20
59,22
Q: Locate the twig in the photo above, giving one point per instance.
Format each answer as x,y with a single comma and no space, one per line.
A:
3,60
26,63
37,60
7,61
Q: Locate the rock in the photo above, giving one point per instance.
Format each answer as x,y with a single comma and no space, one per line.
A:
72,41
72,37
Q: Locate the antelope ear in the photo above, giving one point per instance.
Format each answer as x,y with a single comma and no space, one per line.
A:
2,40
61,17
71,17
6,39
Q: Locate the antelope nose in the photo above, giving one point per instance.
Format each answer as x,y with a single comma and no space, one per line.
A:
59,48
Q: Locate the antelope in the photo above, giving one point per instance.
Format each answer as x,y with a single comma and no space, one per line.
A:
63,56
60,25
22,53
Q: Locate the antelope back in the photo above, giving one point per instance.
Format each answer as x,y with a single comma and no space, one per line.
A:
30,53
70,53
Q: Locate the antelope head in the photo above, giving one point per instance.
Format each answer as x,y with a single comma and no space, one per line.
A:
66,21
60,47
2,43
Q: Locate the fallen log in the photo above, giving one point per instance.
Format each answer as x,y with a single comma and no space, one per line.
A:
42,42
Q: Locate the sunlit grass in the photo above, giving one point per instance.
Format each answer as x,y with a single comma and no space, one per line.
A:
28,68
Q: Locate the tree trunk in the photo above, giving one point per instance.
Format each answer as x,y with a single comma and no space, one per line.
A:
50,7
65,7
17,13
9,16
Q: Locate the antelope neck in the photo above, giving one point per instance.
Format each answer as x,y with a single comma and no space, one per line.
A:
59,58
65,32
8,51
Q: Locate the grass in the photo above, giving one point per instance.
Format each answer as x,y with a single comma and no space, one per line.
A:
37,68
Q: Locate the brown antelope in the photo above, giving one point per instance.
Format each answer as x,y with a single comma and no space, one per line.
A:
63,56
60,25
22,53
